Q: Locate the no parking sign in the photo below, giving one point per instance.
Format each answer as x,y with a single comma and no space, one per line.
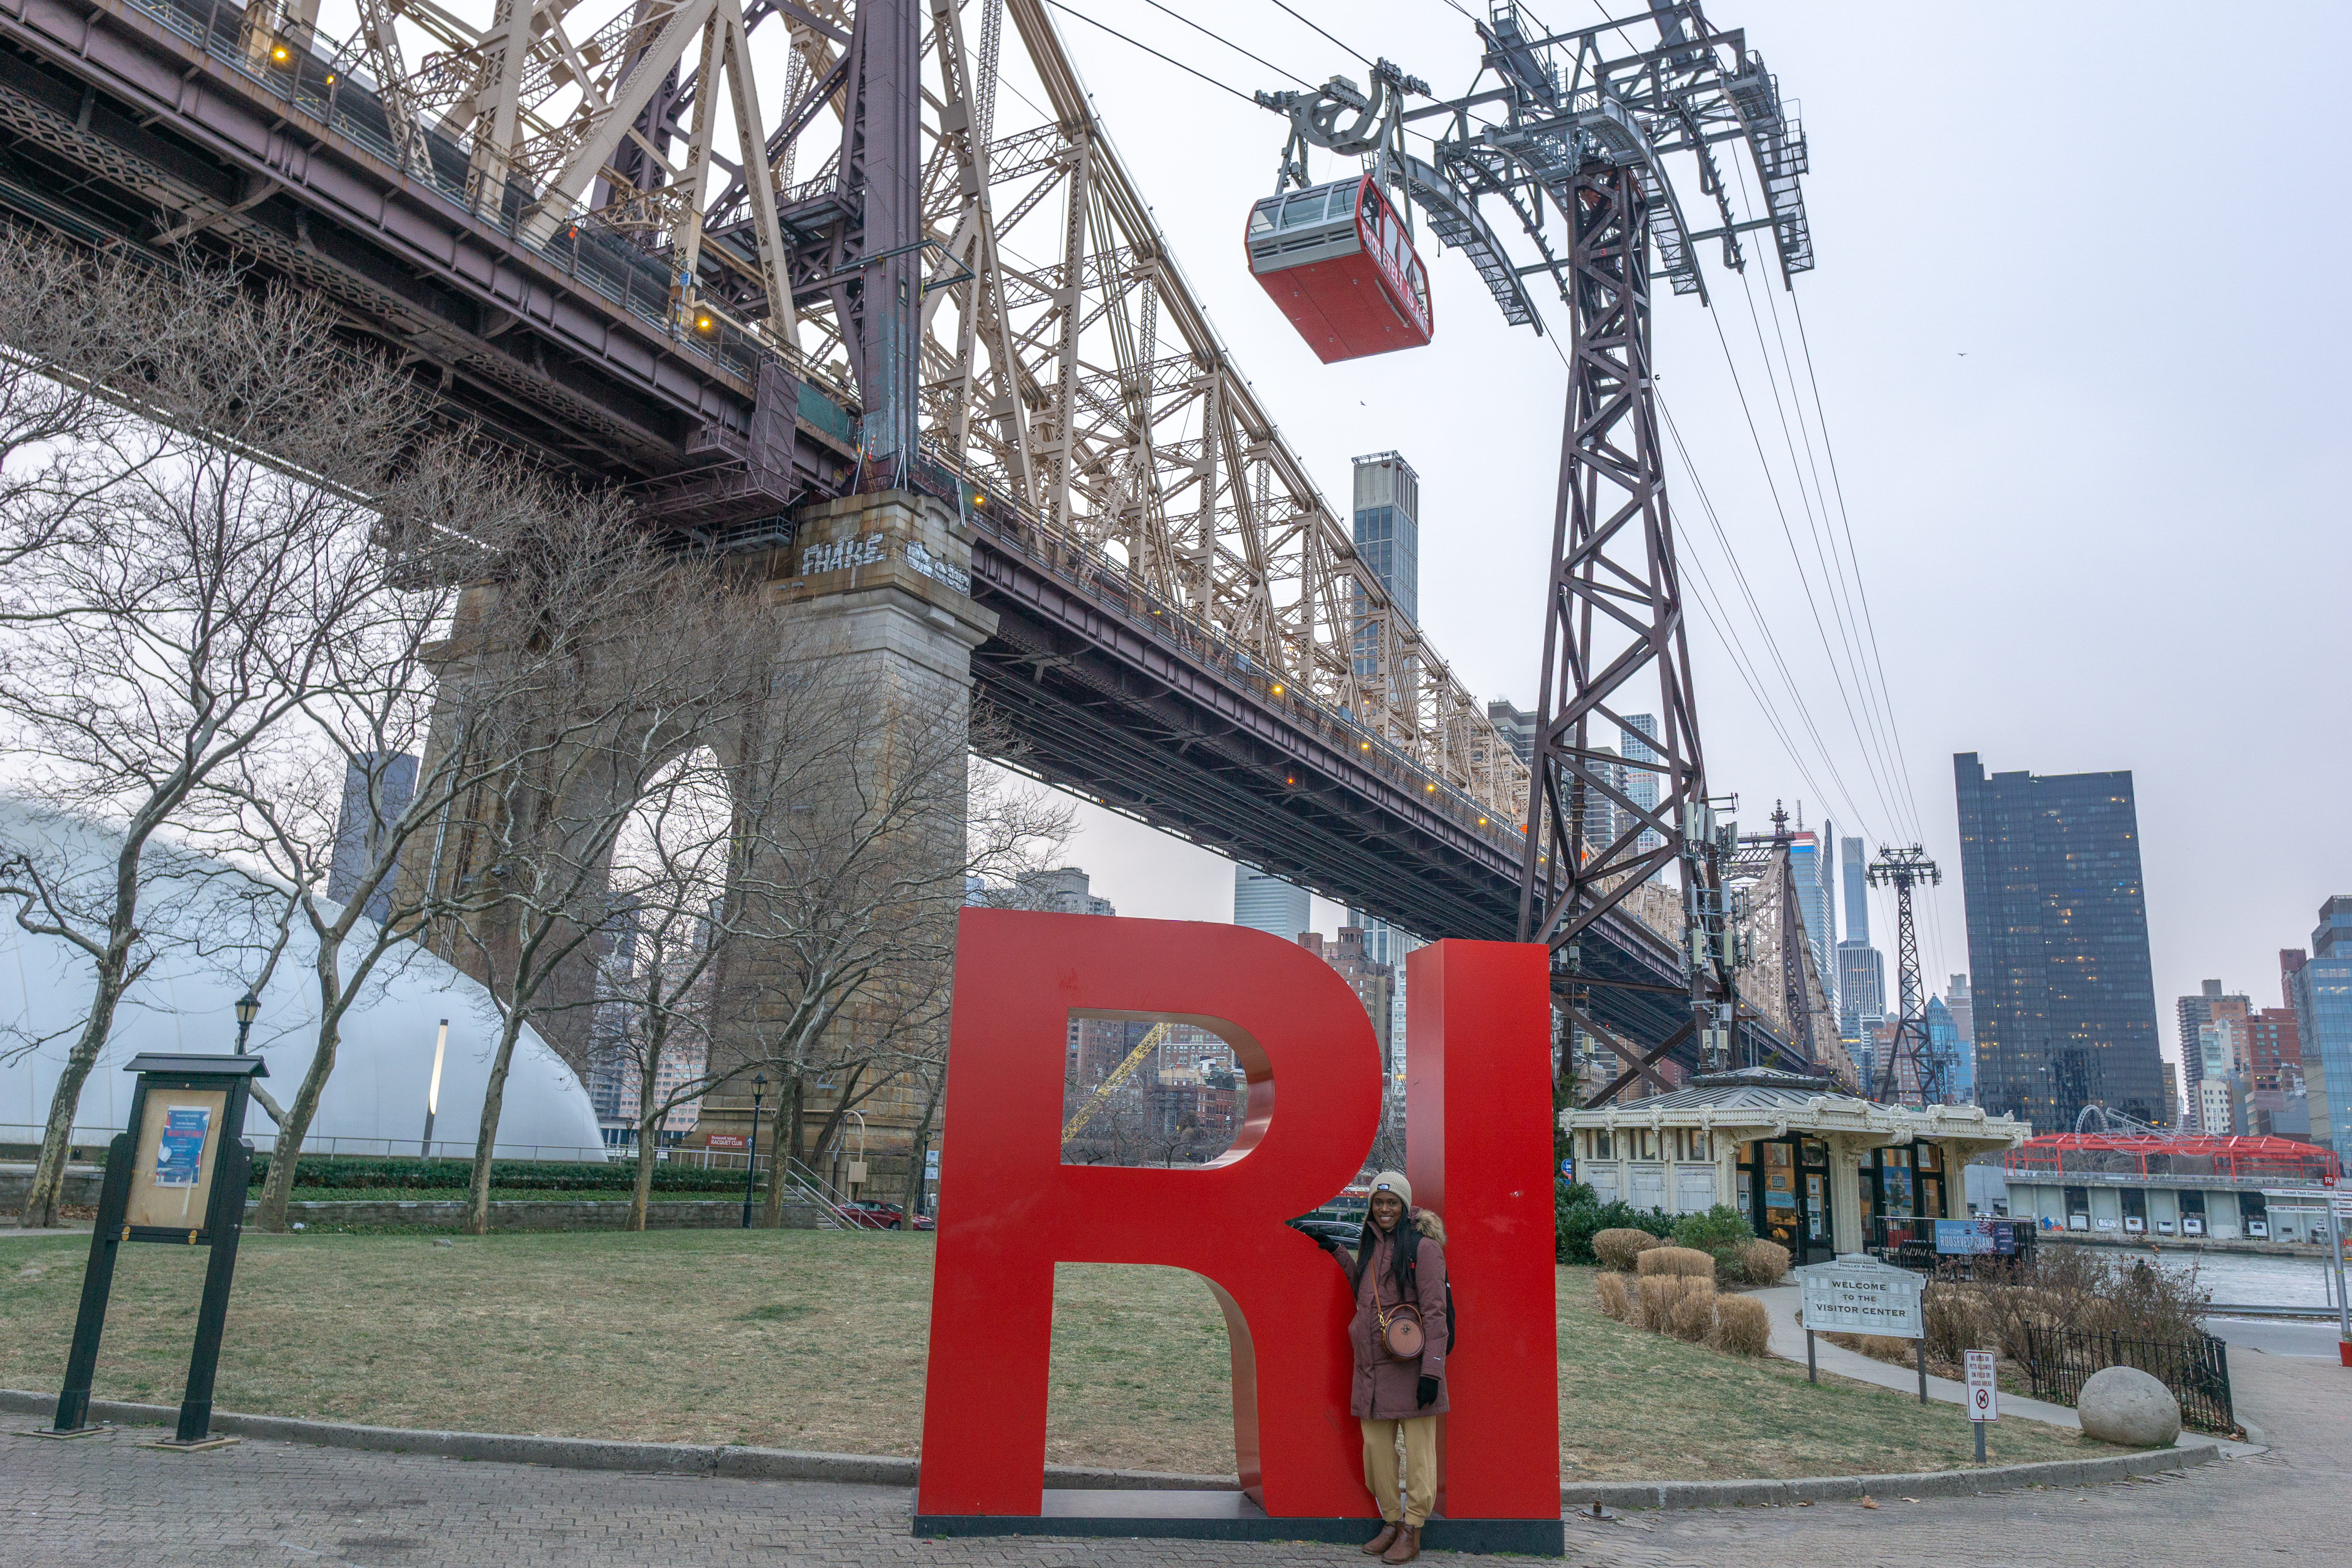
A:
1984,1401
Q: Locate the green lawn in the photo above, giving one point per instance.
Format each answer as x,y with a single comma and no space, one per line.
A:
815,1340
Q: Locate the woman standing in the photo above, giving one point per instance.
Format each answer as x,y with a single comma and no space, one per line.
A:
1399,1335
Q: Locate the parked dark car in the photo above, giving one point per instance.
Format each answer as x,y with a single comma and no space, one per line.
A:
872,1214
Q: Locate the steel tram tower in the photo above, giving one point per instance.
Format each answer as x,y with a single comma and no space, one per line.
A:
1902,870
1591,139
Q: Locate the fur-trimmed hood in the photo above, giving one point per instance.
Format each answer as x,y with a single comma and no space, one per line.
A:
1428,1225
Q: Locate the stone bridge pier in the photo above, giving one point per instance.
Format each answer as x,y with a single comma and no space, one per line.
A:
874,630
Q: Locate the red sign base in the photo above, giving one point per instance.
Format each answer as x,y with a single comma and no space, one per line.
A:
1231,1516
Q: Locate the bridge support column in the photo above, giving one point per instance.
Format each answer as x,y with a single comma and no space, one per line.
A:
876,587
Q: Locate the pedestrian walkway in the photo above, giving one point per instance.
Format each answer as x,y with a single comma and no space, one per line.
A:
1789,1342
107,1502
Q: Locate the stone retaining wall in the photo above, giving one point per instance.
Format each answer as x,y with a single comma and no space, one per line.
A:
534,1215
82,1184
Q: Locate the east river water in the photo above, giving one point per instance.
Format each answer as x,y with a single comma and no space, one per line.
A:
2248,1280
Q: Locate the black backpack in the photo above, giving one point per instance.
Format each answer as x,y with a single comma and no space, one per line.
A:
1413,1282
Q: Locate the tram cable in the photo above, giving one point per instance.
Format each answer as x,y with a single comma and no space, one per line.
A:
1756,612
1803,577
1228,43
1155,54
1832,576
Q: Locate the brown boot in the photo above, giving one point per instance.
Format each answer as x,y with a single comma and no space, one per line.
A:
1405,1547
1379,1543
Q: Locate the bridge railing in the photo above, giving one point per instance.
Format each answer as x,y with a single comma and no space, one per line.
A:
1104,579
334,91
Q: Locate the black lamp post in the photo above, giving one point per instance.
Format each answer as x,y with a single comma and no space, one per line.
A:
751,1149
248,1006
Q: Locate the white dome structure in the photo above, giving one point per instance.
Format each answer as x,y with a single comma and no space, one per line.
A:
375,1101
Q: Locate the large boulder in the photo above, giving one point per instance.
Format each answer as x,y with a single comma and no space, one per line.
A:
2124,1404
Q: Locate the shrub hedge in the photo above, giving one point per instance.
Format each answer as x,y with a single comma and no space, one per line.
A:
1578,1216
343,1171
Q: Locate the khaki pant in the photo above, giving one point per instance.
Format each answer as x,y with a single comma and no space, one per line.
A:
1420,1466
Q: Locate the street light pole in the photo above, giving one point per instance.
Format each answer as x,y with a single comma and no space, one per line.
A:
247,1007
752,1150
433,1091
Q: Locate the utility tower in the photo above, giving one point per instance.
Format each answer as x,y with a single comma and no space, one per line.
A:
1902,870
1598,138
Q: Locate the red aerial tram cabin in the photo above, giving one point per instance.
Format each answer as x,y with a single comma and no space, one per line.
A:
1337,260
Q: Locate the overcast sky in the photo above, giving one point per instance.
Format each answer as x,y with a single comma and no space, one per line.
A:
2080,349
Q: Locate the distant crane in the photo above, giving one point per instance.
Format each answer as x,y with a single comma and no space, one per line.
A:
1556,126
1113,1081
1903,869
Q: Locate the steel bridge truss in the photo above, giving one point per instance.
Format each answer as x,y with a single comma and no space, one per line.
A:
1023,326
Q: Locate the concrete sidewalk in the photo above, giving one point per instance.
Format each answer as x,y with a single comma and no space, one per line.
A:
1783,1303
1789,1344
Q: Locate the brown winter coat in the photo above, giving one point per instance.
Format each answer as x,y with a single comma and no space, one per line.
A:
1385,1390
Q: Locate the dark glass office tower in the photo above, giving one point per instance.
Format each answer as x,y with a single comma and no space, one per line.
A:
2066,1002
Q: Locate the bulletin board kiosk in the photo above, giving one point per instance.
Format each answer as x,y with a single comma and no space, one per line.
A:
176,1178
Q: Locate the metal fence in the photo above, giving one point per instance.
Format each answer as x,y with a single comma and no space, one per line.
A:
2060,1361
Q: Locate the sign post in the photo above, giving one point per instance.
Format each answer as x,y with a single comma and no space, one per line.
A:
1984,1395
1858,1294
178,1174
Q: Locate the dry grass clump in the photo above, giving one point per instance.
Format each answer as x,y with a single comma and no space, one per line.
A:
1617,1250
1661,1293
1742,1326
1878,1347
1688,1260
1609,1289
1692,1319
1764,1263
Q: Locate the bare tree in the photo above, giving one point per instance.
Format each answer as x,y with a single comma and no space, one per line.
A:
192,606
855,898
676,656
362,734
671,926
79,333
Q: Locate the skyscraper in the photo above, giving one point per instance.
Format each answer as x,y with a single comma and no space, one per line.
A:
1862,989
2058,956
1642,784
2321,988
1270,904
1963,1008
1856,867
1384,944
1944,1048
1861,968
1063,889
1517,726
1388,527
1815,903
360,828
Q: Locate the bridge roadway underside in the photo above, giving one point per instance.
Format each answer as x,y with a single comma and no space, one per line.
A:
1111,706
117,130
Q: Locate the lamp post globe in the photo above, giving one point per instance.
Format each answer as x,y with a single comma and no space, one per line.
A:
248,1007
751,1149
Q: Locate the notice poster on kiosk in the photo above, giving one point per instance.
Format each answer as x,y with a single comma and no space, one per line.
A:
172,1167
180,1152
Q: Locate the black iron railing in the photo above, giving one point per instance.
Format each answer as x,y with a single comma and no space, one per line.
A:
2060,1361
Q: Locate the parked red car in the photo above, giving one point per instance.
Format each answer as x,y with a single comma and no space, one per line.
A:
873,1214
927,1222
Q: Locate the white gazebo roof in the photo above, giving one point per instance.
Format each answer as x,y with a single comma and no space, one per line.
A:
1766,1103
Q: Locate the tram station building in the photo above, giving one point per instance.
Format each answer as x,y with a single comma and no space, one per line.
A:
1813,1167
2158,1186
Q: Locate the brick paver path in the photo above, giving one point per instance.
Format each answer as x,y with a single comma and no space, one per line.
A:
105,1502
